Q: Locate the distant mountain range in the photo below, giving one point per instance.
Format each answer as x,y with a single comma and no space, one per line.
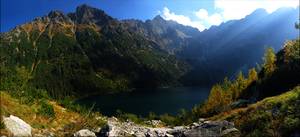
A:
239,44
89,51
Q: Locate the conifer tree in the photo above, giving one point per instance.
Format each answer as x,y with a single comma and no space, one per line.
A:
252,75
269,61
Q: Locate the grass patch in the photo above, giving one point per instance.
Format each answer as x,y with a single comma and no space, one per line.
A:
46,109
273,116
2,126
49,115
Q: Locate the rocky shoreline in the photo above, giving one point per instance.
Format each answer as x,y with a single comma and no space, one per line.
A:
117,128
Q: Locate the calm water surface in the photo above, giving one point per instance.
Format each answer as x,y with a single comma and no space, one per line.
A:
143,101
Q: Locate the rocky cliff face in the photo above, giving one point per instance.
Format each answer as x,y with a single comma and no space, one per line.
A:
169,35
87,15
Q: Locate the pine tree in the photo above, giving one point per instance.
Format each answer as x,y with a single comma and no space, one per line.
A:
240,84
23,76
269,61
215,99
252,75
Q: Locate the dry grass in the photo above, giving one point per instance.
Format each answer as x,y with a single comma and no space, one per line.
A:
276,115
64,123
263,104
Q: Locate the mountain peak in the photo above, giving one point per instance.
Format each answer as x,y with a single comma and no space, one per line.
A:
55,14
257,13
87,14
260,11
58,16
85,8
158,20
158,17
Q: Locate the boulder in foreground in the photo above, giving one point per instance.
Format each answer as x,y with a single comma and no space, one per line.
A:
17,127
84,133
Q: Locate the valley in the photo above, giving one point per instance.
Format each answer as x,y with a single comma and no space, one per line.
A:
86,73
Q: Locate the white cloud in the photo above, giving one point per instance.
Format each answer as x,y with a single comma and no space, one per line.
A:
215,19
181,19
237,9
226,10
202,14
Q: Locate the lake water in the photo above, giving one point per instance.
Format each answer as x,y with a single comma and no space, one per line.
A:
143,101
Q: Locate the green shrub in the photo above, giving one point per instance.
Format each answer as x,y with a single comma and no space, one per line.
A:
30,95
15,80
259,120
46,109
186,117
256,133
168,119
128,116
290,125
132,117
68,103
152,116
2,126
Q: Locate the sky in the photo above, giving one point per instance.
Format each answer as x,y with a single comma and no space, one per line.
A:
200,14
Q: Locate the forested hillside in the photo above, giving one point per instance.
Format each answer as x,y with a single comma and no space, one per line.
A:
85,52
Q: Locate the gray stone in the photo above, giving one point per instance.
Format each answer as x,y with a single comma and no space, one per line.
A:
115,129
96,130
210,128
197,129
154,122
230,132
139,134
195,124
201,120
17,127
169,135
177,131
44,133
84,133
